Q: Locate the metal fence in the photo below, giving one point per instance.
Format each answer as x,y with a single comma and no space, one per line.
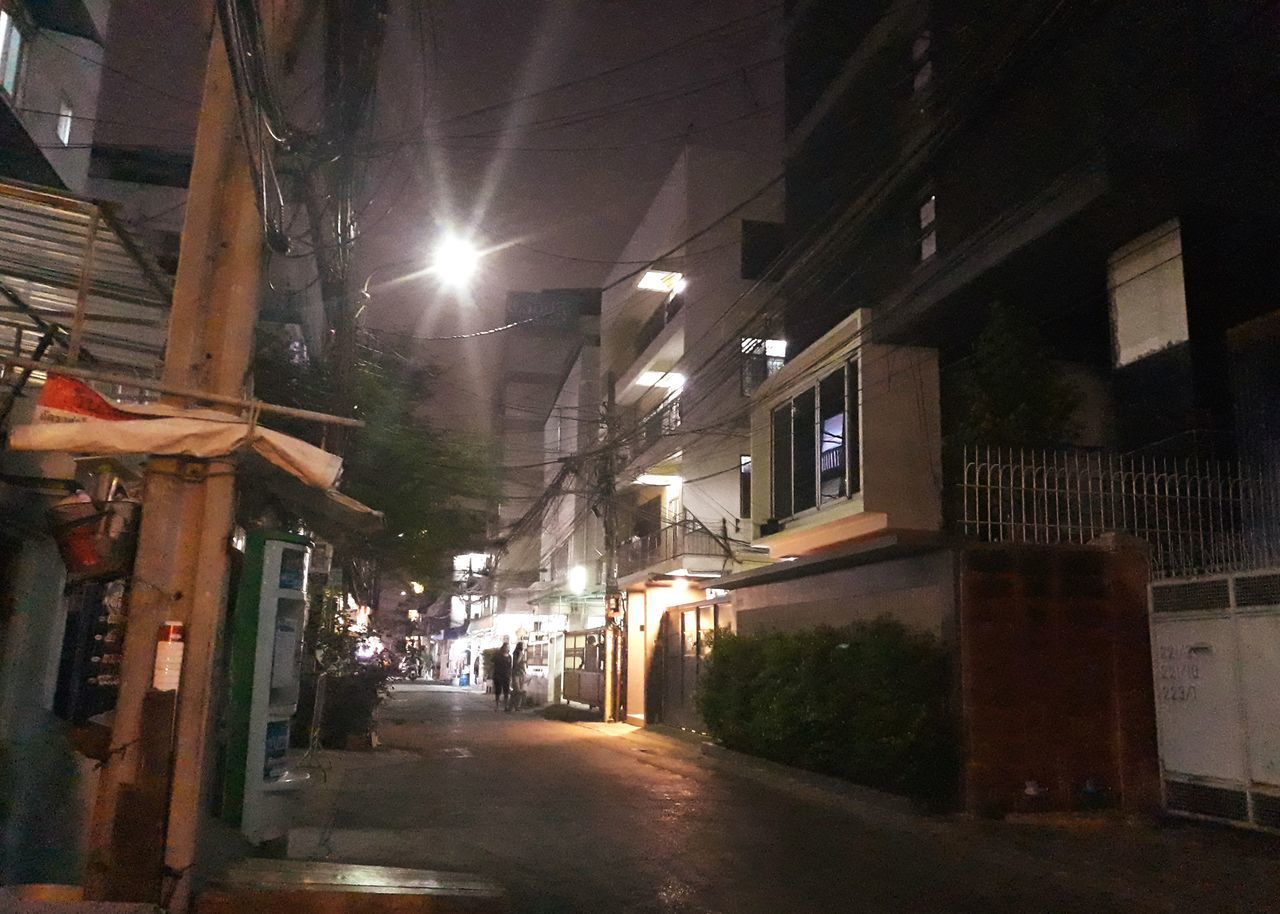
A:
660,423
1200,516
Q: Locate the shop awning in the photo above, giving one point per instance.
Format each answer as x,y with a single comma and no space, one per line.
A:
67,268
193,433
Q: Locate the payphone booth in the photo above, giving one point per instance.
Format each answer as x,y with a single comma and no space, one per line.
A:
265,665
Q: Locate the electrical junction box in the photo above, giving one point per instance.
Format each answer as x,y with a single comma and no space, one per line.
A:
267,627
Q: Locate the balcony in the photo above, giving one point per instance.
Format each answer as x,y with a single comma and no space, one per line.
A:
659,346
662,423
687,545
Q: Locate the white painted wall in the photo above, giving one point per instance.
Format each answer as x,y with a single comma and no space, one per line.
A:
62,67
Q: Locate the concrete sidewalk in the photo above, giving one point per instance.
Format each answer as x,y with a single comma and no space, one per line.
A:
582,817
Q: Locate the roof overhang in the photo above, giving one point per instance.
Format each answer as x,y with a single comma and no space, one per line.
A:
67,269
882,548
70,17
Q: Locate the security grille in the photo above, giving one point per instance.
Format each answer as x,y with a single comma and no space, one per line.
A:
1191,596
1199,516
1258,590
1266,810
1205,800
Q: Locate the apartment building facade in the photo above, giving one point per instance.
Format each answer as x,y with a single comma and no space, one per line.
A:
682,367
51,67
984,205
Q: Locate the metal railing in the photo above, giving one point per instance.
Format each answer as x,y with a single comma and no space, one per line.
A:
652,328
1200,516
685,537
665,421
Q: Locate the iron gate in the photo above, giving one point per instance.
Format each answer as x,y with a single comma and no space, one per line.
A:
1215,648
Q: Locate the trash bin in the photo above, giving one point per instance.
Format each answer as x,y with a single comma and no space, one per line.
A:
464,680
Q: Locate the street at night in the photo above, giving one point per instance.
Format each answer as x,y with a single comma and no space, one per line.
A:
718,457
583,817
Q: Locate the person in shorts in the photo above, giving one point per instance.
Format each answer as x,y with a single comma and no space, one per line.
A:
519,668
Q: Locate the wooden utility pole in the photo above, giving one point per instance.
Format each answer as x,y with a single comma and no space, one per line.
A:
614,624
181,568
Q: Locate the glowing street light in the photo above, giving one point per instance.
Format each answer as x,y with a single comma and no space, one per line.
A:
455,260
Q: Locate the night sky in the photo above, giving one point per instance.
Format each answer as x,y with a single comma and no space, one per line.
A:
515,175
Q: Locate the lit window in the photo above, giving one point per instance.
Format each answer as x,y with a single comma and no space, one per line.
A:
11,43
65,116
666,380
1148,295
761,360
928,227
662,281
815,445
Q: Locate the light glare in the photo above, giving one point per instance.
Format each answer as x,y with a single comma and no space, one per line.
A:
455,261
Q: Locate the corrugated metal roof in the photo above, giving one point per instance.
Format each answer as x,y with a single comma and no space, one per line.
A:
48,267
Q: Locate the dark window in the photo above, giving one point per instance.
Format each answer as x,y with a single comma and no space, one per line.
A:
831,453
804,448
922,68
782,461
762,244
744,486
853,445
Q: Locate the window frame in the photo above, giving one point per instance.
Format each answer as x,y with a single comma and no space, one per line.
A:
926,226
11,25
786,412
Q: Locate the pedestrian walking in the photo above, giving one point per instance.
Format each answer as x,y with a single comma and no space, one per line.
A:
502,677
519,666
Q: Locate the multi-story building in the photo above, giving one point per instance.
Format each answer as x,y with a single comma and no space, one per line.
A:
681,365
547,382
571,582
1072,168
1026,295
51,65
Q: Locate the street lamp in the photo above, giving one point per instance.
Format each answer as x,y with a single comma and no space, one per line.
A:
454,261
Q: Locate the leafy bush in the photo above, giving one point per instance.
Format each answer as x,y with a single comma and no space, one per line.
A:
869,703
353,690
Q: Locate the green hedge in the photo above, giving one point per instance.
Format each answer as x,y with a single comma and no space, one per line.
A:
869,703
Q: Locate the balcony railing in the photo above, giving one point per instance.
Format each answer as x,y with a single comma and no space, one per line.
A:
651,328
664,421
683,538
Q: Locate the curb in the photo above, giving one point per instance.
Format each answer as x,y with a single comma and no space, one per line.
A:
853,797
864,802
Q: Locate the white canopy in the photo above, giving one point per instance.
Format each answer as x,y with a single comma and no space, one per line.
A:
188,433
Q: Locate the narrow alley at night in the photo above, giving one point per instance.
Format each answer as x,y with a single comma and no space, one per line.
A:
604,817
646,456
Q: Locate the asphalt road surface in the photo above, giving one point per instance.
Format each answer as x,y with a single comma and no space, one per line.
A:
579,817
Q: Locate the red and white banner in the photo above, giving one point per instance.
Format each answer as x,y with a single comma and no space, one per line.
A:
64,399
71,416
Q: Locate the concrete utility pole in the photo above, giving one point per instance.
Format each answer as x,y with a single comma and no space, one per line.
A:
144,805
614,629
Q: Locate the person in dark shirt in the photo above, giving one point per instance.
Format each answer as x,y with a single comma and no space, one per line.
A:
502,677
